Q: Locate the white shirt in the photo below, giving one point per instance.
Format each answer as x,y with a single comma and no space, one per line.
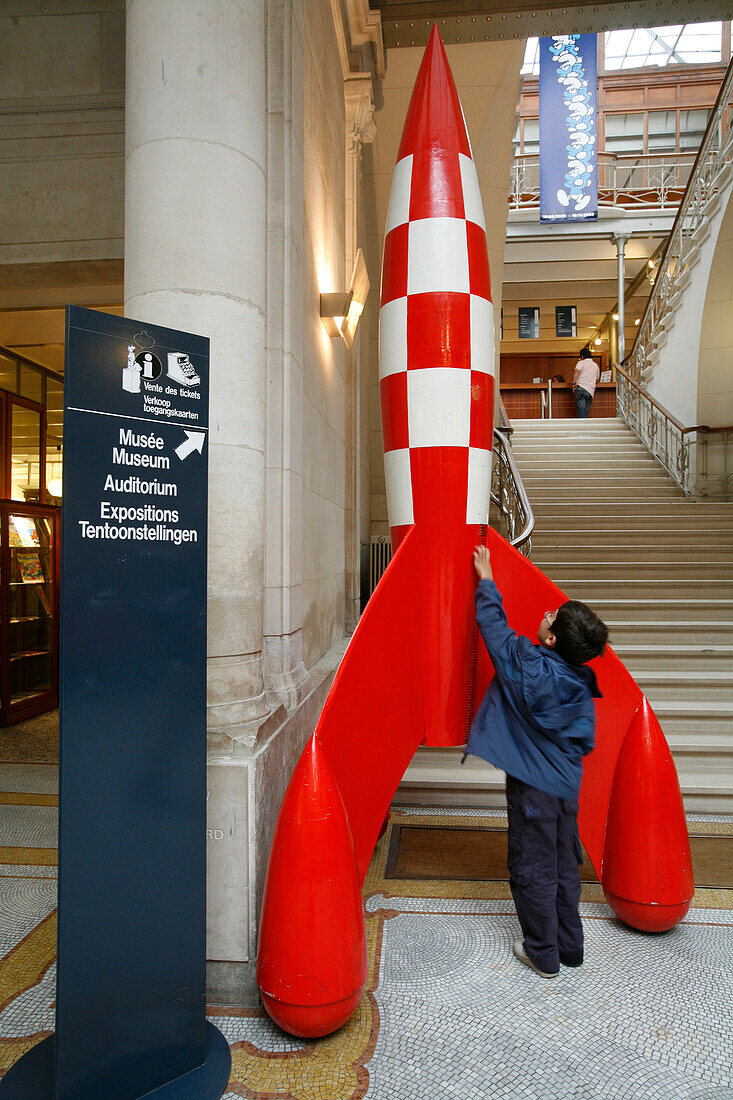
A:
587,373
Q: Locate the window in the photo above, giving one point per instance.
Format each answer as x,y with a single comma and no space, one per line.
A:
531,138
624,133
693,124
662,131
531,64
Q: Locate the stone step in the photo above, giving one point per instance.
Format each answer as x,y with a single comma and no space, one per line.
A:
561,492
644,657
571,465
696,631
572,426
558,452
686,718
669,610
597,592
573,572
557,496
718,745
547,557
587,481
673,538
435,777
617,511
674,687
575,522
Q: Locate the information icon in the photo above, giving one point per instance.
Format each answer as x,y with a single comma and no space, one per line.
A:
151,365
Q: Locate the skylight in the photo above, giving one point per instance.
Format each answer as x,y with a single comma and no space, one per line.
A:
694,44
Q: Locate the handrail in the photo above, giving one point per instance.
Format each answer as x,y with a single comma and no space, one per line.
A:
510,496
655,403
712,156
687,454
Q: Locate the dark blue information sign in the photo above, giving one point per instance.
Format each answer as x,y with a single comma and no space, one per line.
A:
528,322
568,128
130,1010
566,321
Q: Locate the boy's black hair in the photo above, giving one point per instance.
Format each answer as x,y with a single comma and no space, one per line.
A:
579,633
586,353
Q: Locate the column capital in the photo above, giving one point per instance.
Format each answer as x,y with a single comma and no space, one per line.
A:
359,100
621,238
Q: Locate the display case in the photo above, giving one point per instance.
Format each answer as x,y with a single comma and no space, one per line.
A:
29,599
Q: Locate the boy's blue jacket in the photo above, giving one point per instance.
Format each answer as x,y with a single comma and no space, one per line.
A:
537,720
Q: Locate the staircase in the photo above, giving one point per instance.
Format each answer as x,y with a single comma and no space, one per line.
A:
613,530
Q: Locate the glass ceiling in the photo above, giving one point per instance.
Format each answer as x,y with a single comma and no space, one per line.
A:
695,44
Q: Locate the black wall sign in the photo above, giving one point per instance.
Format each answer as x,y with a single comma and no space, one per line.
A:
566,321
529,323
130,1009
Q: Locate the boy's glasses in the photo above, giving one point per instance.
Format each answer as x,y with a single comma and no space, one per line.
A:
550,616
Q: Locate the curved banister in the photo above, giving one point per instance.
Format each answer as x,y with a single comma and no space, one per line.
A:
509,494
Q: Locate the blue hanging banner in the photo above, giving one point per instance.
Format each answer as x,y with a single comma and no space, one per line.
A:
568,128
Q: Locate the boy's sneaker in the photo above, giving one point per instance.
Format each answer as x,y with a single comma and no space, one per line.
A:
181,369
522,955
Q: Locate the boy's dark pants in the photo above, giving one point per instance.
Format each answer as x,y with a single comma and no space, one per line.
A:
544,875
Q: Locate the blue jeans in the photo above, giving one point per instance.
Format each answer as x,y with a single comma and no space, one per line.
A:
544,874
582,401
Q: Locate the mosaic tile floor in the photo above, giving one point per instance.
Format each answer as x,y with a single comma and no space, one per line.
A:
448,1013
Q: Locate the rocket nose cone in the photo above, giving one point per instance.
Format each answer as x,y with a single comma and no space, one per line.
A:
434,117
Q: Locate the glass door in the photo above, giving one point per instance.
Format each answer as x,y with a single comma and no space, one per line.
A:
29,583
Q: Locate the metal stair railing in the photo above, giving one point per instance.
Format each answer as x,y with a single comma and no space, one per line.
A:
713,158
507,488
696,457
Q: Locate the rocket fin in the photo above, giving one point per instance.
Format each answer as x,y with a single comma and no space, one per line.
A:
373,719
647,865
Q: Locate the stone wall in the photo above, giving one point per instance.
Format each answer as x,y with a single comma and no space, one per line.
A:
324,375
62,130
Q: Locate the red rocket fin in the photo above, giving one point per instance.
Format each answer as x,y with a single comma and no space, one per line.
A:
373,721
527,594
312,957
647,865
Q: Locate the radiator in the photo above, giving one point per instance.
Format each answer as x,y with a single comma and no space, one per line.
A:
380,555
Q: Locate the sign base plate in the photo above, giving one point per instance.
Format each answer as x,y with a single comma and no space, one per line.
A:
31,1078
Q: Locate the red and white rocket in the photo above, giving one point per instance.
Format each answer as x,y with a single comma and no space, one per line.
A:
413,672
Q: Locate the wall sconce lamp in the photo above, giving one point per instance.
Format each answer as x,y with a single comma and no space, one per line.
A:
340,312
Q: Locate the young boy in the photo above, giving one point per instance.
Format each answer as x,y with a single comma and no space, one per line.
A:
536,723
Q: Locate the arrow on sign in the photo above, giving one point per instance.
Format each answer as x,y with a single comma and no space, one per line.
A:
195,442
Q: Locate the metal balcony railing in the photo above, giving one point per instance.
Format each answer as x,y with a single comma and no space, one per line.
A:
653,181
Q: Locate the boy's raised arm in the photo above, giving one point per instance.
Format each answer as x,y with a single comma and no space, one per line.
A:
502,643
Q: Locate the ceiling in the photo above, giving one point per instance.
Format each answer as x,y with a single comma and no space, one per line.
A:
408,22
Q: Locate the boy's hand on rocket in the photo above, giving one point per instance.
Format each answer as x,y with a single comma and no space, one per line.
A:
482,563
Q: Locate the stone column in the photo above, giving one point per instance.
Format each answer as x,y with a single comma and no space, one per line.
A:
360,128
195,234
195,259
620,240
286,679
